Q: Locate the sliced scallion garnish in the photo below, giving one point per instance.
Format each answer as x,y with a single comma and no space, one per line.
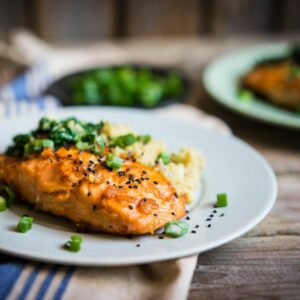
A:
2,204
176,228
113,162
74,244
124,141
222,200
25,224
164,157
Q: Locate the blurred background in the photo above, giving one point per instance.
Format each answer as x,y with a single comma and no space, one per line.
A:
61,20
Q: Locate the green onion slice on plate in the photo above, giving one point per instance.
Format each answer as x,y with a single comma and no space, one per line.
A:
176,228
25,224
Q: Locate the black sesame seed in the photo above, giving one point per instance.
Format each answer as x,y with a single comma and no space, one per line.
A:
130,206
186,211
176,195
70,155
84,173
209,225
145,199
89,194
81,162
130,186
131,178
99,160
197,226
173,214
128,182
138,245
156,162
160,237
188,218
222,215
135,186
94,207
155,182
128,169
73,184
155,215
214,211
120,186
193,231
144,172
91,161
211,216
121,173
208,219
107,182
137,180
134,160
90,169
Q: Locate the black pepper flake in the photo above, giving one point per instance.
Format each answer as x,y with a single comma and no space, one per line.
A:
155,215
130,206
208,219
120,186
160,237
221,215
128,182
90,169
143,179
145,199
131,177
121,173
193,231
188,218
173,214
89,194
144,172
209,225
135,186
138,245
155,182
81,162
197,226
107,182
130,186
137,180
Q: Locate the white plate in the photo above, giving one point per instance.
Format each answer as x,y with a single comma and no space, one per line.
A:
221,79
232,167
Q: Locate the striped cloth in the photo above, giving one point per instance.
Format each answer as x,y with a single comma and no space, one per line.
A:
21,279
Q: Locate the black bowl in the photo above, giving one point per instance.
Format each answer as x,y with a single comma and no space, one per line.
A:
62,91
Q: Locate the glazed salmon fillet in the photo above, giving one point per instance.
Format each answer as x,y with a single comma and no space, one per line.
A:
77,185
273,82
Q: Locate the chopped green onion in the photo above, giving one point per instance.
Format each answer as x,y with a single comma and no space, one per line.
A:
82,145
74,244
245,95
294,72
2,204
124,140
25,224
145,139
113,162
222,200
176,228
8,194
37,145
164,157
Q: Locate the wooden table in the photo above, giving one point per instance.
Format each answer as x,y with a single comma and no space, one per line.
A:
264,263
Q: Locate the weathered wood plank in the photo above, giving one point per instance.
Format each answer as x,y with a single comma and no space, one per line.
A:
74,19
238,16
162,17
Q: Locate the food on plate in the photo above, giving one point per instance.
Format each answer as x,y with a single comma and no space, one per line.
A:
103,177
276,80
125,86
